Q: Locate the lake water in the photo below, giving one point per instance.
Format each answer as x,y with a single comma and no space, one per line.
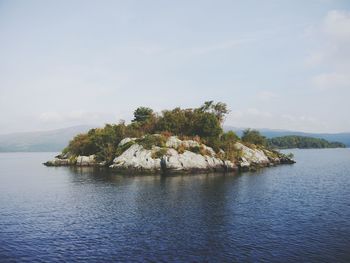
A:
291,213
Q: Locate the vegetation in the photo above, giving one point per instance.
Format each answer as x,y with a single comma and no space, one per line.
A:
150,140
143,114
203,124
253,137
159,153
302,142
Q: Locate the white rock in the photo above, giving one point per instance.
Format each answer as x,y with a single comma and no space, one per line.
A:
125,141
186,161
254,156
193,161
190,143
173,142
230,165
209,150
86,160
136,157
58,162
244,163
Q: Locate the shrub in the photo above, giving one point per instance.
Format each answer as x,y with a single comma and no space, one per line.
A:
160,153
142,114
166,134
290,155
254,137
181,149
123,148
195,149
152,140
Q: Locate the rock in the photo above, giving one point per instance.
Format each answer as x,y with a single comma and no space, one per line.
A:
230,166
86,160
140,159
173,142
252,156
244,163
186,161
190,143
209,150
286,160
57,162
126,140
189,161
137,158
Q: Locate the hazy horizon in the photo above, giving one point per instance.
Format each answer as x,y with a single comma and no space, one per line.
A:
280,65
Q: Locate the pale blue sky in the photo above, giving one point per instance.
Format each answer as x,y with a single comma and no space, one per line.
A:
276,63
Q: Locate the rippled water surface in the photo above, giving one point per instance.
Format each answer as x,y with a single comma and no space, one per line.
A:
290,213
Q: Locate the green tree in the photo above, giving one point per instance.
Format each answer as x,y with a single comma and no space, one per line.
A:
142,114
219,109
206,125
254,137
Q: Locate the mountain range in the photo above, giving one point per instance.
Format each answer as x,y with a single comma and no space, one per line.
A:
40,141
56,140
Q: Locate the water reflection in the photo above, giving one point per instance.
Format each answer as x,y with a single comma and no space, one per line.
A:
285,213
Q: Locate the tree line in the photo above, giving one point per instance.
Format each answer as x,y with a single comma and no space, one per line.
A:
302,142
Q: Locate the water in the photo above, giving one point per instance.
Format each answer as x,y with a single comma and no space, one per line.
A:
290,213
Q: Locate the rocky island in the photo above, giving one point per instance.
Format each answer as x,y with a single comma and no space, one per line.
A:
175,141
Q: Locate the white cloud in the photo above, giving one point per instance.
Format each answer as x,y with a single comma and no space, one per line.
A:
255,118
266,95
76,117
337,25
333,54
330,80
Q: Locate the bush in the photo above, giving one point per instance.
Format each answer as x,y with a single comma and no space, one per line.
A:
227,143
160,153
254,137
195,149
152,140
123,148
142,114
181,149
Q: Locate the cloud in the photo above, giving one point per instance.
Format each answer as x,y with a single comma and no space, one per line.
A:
255,118
197,50
330,80
337,25
76,117
220,46
332,57
266,95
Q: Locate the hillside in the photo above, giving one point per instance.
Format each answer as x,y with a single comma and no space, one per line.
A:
41,141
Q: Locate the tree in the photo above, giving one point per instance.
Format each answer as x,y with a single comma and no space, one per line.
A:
254,137
142,114
227,143
219,109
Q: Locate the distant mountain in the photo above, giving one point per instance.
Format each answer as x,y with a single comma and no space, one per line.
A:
269,133
41,141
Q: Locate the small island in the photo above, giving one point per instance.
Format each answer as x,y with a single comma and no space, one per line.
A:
177,140
302,142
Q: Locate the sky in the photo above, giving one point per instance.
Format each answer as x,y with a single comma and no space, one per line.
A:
279,64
